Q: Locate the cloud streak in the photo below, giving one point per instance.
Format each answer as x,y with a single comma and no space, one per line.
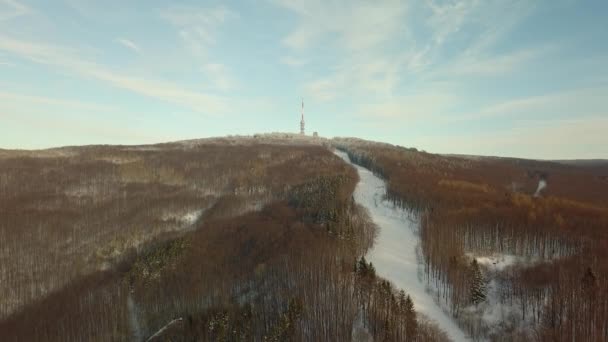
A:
69,60
366,69
10,9
197,27
426,105
359,25
293,61
220,76
129,44
568,103
50,101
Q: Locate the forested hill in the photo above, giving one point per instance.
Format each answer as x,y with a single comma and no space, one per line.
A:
259,238
227,239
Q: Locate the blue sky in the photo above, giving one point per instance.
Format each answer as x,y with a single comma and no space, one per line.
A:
510,78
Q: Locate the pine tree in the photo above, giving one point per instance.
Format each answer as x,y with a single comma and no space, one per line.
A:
372,270
285,329
361,266
478,288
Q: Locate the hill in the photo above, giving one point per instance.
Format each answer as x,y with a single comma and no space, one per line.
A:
260,238
235,238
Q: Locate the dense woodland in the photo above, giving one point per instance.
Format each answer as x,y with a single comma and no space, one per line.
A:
70,211
471,207
211,240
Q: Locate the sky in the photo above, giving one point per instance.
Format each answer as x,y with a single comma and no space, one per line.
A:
489,77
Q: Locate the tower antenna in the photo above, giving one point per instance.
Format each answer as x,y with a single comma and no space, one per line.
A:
302,120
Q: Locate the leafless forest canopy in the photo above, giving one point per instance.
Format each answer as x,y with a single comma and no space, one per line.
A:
475,207
219,240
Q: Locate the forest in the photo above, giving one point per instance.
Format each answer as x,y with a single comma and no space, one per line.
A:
514,249
210,240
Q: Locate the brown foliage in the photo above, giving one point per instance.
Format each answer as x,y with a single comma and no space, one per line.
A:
486,205
270,258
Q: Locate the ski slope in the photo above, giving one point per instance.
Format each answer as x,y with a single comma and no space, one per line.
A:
394,252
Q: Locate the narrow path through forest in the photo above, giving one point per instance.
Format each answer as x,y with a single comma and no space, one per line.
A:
394,252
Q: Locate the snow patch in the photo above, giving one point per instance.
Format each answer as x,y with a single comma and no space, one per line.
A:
495,311
191,217
132,310
118,160
498,262
359,332
188,218
159,334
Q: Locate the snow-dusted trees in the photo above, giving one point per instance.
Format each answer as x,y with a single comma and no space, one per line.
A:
281,272
478,286
72,211
389,315
472,207
406,310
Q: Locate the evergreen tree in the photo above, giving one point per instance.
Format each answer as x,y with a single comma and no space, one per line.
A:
361,267
285,329
478,287
372,270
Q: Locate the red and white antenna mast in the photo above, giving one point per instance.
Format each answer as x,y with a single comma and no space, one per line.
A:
302,121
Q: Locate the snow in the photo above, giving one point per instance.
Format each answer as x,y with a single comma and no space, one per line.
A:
498,262
158,334
191,217
394,252
188,218
133,321
494,311
359,332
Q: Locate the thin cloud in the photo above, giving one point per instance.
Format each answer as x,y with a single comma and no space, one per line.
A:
71,61
10,9
428,105
361,75
197,27
129,44
587,101
365,38
51,101
494,65
200,102
359,25
448,18
220,76
293,61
